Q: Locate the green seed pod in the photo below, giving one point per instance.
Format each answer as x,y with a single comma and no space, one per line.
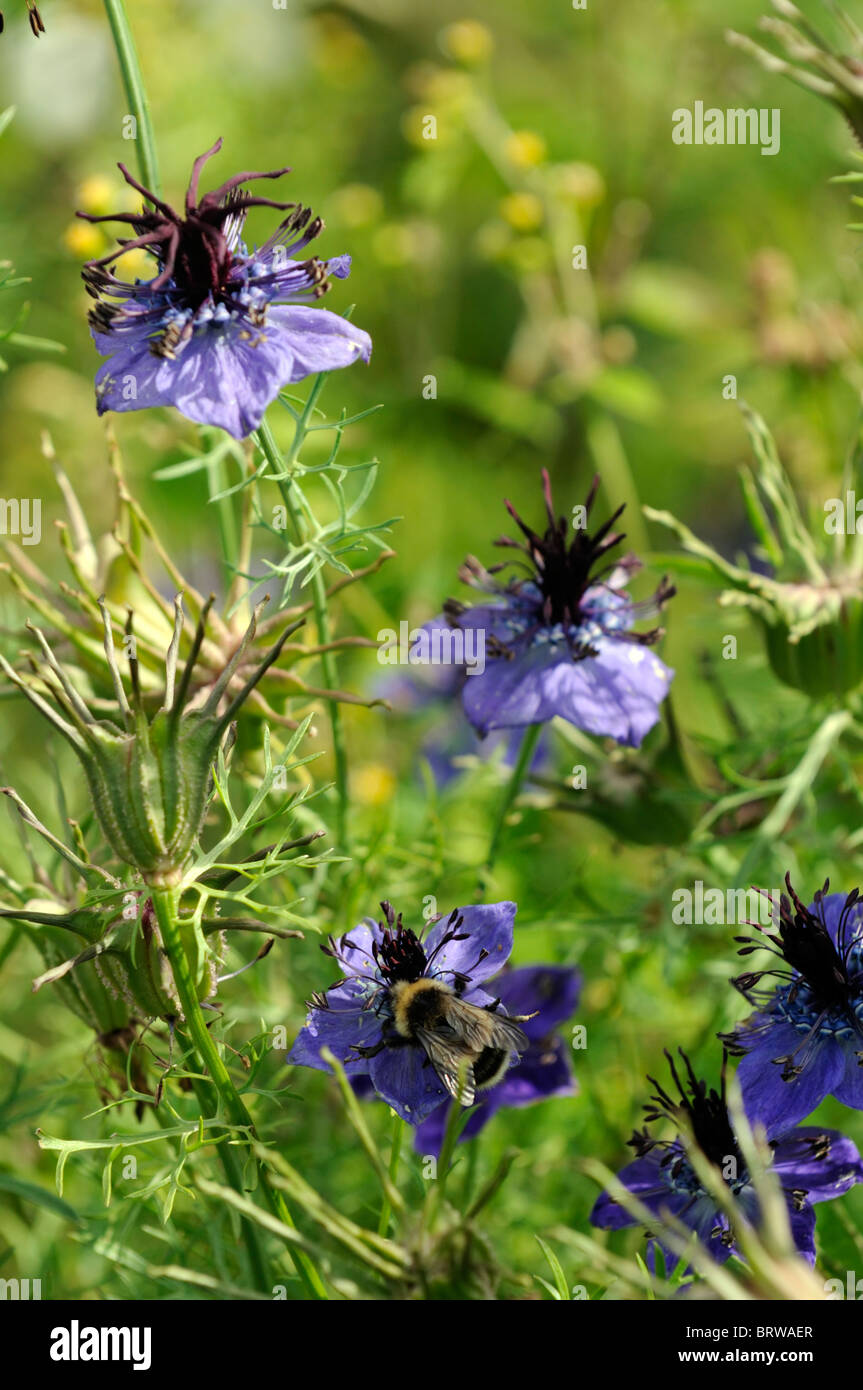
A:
828,660
810,604
149,776
119,972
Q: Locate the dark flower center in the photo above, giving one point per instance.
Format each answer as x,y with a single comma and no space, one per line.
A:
192,250
399,955
828,966
563,565
701,1111
564,557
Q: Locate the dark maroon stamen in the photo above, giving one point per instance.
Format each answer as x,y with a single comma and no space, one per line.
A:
562,563
803,942
399,955
192,250
705,1111
563,567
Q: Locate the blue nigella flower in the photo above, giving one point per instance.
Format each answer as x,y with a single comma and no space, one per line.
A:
560,641
355,1018
426,691
220,329
811,1164
550,994
805,1040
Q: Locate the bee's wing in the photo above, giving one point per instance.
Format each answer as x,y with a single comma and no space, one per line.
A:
507,1034
452,1055
453,1045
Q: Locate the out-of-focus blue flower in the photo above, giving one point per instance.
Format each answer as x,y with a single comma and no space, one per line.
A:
355,1019
812,1165
423,690
220,329
560,641
805,1040
550,992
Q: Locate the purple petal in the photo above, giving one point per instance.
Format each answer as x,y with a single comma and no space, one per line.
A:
803,1232
226,374
646,1181
355,948
615,694
502,621
429,1136
800,1162
849,1089
404,1078
543,1072
340,266
830,913
219,377
486,927
341,1027
778,1104
316,340
550,991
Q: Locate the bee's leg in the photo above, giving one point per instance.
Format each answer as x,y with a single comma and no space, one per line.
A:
492,1008
369,1051
387,1040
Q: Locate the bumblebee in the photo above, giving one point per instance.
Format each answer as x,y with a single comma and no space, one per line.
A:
468,1046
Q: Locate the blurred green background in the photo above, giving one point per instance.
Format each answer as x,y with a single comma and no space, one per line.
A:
553,129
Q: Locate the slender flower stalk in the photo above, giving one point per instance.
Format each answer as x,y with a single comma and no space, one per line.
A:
136,93
526,751
232,1168
282,465
395,1155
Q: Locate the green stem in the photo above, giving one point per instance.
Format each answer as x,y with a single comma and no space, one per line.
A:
136,94
452,1130
234,1176
525,753
217,483
395,1154
165,904
283,464
470,1171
